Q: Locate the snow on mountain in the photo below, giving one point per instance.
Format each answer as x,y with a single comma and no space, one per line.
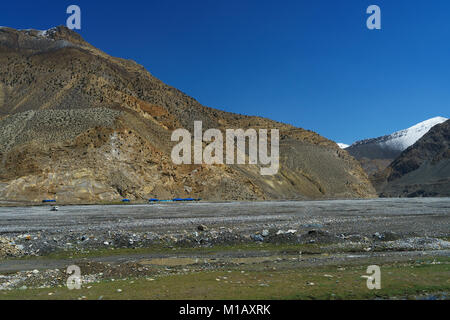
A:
35,32
403,139
343,145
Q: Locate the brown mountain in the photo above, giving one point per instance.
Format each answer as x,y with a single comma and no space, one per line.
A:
421,170
81,126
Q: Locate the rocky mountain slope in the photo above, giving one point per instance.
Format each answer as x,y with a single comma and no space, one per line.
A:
78,125
377,153
421,170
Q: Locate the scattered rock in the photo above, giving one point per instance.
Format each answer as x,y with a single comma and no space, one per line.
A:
378,236
8,248
258,237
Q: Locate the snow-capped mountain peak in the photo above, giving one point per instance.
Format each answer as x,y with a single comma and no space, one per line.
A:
403,139
342,145
406,138
392,145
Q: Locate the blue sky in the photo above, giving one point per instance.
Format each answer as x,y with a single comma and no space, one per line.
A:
313,64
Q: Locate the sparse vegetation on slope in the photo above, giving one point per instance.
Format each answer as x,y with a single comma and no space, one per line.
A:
80,126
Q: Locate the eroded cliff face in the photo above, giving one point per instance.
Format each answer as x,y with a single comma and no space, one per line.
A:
80,126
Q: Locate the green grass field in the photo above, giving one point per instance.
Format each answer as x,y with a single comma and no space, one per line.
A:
398,280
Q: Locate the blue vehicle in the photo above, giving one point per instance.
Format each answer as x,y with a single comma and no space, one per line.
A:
48,201
126,200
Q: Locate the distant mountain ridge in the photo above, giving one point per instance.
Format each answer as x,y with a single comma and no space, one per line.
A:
342,145
390,146
421,170
376,154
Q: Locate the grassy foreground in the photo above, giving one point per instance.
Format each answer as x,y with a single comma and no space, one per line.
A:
401,280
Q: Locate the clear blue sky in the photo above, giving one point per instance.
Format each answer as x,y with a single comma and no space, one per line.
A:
312,63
